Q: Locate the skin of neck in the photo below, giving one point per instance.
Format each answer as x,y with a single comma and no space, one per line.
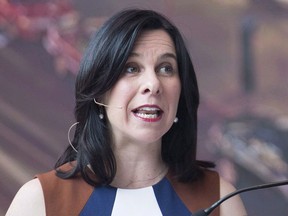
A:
138,166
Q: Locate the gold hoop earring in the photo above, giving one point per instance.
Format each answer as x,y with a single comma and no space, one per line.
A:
68,134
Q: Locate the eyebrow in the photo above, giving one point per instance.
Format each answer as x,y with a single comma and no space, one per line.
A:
163,56
168,55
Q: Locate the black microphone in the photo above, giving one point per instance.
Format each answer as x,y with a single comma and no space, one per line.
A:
105,105
207,211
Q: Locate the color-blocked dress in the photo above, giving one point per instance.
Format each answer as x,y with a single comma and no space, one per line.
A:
168,197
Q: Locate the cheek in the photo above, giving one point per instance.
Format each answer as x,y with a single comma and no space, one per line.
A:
176,96
120,92
174,91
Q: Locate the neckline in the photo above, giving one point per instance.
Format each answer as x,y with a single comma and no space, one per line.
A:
145,187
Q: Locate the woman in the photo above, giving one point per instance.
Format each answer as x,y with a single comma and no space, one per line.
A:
134,148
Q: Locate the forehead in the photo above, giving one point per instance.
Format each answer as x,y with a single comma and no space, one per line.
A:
155,39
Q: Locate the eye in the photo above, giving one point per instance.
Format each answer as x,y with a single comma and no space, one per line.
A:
131,68
166,69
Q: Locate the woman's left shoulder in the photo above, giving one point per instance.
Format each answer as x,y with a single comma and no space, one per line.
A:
234,205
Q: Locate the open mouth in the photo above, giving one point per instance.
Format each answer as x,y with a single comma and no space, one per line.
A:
148,113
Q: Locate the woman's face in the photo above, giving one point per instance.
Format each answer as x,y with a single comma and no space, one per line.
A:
148,91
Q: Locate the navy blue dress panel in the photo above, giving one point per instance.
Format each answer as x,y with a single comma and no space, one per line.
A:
168,201
100,202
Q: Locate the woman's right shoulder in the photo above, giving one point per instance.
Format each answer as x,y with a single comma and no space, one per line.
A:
29,200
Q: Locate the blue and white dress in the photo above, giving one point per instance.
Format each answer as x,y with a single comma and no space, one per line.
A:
156,200
168,197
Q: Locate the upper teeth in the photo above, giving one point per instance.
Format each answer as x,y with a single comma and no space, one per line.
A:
148,109
148,112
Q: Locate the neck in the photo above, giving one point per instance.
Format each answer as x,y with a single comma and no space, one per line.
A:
138,168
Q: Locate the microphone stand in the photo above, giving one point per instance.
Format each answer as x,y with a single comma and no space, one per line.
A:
207,211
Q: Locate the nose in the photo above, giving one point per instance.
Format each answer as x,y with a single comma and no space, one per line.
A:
151,84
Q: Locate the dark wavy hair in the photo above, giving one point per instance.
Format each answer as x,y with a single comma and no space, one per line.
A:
100,69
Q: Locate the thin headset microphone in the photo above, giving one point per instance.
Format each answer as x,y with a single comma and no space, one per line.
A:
98,103
207,211
105,105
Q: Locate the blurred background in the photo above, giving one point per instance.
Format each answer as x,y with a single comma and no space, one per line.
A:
240,52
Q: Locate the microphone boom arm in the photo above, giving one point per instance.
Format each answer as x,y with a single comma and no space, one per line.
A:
207,211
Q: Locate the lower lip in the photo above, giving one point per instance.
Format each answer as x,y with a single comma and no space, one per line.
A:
148,119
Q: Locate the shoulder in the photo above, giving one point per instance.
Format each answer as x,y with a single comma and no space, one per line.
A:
29,200
64,196
233,205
